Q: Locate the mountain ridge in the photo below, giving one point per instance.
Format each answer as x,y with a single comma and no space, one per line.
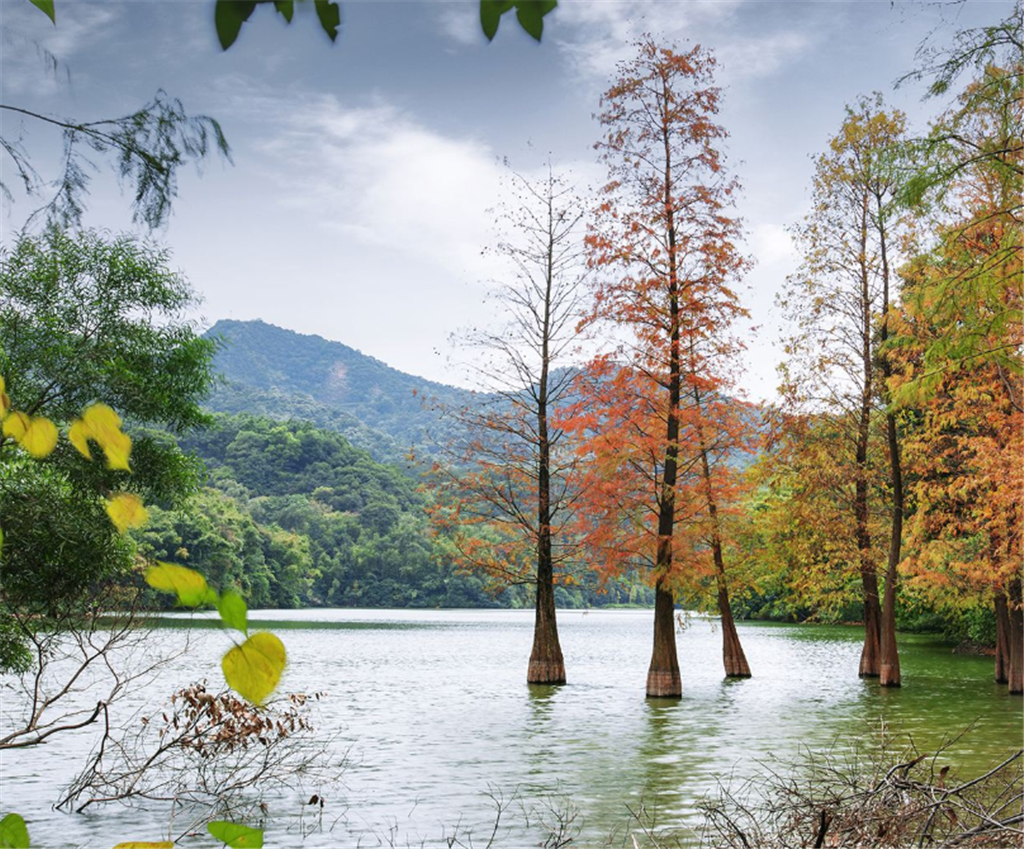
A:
271,370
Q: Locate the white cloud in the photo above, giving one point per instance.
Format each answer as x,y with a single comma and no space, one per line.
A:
761,56
387,182
461,23
602,34
771,243
606,31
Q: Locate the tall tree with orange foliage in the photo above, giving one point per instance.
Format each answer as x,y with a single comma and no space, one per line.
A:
839,303
960,340
664,248
507,492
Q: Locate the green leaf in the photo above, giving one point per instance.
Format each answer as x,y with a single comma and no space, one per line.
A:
46,6
236,836
233,611
530,17
13,832
253,669
490,16
286,8
329,14
228,17
187,584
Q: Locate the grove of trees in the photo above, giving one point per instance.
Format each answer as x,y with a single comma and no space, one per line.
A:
884,487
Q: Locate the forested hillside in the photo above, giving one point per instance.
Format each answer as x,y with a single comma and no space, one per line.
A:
294,516
283,374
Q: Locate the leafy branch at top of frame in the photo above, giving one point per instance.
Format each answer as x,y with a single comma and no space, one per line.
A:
229,15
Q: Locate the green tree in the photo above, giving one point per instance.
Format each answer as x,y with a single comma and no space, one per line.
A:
838,303
86,317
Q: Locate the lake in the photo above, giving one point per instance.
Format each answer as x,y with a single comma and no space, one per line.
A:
431,720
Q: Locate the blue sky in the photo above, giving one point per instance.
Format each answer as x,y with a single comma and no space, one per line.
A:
357,206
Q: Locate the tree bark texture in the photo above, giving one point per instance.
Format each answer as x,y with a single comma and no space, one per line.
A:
663,678
546,663
1002,669
889,661
870,654
1015,674
735,660
889,665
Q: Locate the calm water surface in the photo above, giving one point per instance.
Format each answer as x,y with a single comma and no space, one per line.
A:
432,717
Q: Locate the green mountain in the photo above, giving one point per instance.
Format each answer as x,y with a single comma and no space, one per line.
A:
279,373
295,516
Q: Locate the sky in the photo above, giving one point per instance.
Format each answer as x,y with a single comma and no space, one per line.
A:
366,172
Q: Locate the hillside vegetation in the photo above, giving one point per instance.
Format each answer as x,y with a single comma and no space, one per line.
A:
287,375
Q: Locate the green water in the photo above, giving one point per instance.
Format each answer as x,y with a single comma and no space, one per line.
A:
432,720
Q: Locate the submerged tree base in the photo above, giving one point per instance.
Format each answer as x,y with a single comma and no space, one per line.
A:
546,672
664,684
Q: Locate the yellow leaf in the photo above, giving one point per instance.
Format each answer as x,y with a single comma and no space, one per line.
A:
78,434
187,584
126,511
15,425
102,425
41,437
35,434
118,447
5,401
254,668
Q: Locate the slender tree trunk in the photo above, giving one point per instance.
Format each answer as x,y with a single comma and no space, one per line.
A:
546,663
1002,670
735,660
889,665
663,678
889,661
1015,613
870,654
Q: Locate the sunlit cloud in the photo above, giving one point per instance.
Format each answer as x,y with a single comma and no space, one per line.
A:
597,36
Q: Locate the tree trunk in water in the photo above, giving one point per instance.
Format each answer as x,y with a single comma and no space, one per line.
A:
546,664
663,679
889,666
736,665
735,660
1002,640
870,655
1015,674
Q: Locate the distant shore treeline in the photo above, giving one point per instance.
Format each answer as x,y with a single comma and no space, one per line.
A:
295,516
